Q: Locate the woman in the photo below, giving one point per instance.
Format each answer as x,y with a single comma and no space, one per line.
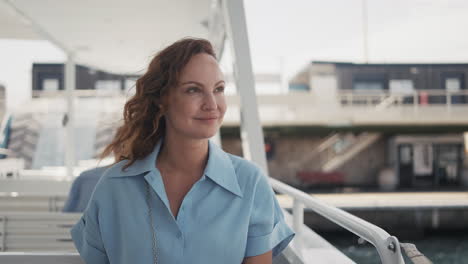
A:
174,196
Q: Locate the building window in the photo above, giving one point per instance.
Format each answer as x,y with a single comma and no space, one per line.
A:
403,89
130,86
453,81
422,159
368,86
298,87
405,155
50,84
369,83
401,86
108,85
452,84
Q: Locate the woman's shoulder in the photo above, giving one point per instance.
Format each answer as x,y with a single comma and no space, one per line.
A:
107,184
114,169
242,165
249,174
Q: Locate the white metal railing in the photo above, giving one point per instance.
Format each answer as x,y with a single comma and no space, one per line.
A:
40,258
385,99
10,168
80,93
37,232
305,108
387,102
28,202
379,99
6,152
387,246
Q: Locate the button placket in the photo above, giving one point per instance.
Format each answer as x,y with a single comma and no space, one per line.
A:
180,216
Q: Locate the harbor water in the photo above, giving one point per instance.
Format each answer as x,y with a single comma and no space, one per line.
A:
448,247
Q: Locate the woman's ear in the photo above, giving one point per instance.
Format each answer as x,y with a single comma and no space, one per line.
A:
162,105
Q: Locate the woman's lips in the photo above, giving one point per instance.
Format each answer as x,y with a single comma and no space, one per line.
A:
207,118
209,121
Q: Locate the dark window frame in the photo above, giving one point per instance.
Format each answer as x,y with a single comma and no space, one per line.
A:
371,77
448,75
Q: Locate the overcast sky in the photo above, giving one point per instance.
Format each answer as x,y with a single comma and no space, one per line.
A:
292,33
398,30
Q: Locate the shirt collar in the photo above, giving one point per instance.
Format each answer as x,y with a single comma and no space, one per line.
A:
219,167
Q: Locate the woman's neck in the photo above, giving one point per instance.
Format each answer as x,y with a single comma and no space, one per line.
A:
186,156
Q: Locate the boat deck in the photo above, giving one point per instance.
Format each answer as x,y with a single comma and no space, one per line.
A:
393,200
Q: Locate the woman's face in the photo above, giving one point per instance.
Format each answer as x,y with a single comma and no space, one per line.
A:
195,107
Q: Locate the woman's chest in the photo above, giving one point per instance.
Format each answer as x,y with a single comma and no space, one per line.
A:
205,231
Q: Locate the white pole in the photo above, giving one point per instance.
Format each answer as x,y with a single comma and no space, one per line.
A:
448,98
70,115
69,85
298,222
364,31
251,130
284,81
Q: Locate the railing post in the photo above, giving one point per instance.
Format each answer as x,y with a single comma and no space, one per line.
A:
298,221
435,218
69,118
3,230
448,101
387,246
415,101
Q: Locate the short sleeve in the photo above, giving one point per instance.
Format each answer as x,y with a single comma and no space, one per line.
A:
72,202
87,238
267,228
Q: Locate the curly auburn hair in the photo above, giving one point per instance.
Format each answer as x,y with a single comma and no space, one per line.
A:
143,119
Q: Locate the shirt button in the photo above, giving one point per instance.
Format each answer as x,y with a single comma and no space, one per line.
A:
179,234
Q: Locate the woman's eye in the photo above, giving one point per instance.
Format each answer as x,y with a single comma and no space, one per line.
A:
192,90
220,89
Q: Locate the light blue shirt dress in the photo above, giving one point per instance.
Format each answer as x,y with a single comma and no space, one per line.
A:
81,190
230,213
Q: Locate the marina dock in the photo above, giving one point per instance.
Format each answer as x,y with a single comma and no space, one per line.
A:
399,212
394,200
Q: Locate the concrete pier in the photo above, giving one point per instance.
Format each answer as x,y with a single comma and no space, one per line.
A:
409,212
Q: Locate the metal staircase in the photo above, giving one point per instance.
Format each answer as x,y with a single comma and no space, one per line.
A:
348,149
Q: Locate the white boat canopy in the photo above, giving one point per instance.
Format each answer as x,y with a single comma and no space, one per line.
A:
114,35
122,36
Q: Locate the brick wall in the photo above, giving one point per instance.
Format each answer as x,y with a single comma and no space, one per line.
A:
293,154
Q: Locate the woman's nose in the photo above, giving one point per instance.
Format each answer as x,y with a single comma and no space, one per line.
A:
210,102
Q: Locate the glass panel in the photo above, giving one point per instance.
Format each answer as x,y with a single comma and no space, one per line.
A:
422,159
368,86
50,84
453,84
448,161
405,154
401,86
108,85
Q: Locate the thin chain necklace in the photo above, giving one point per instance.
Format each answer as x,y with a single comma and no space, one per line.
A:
148,202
